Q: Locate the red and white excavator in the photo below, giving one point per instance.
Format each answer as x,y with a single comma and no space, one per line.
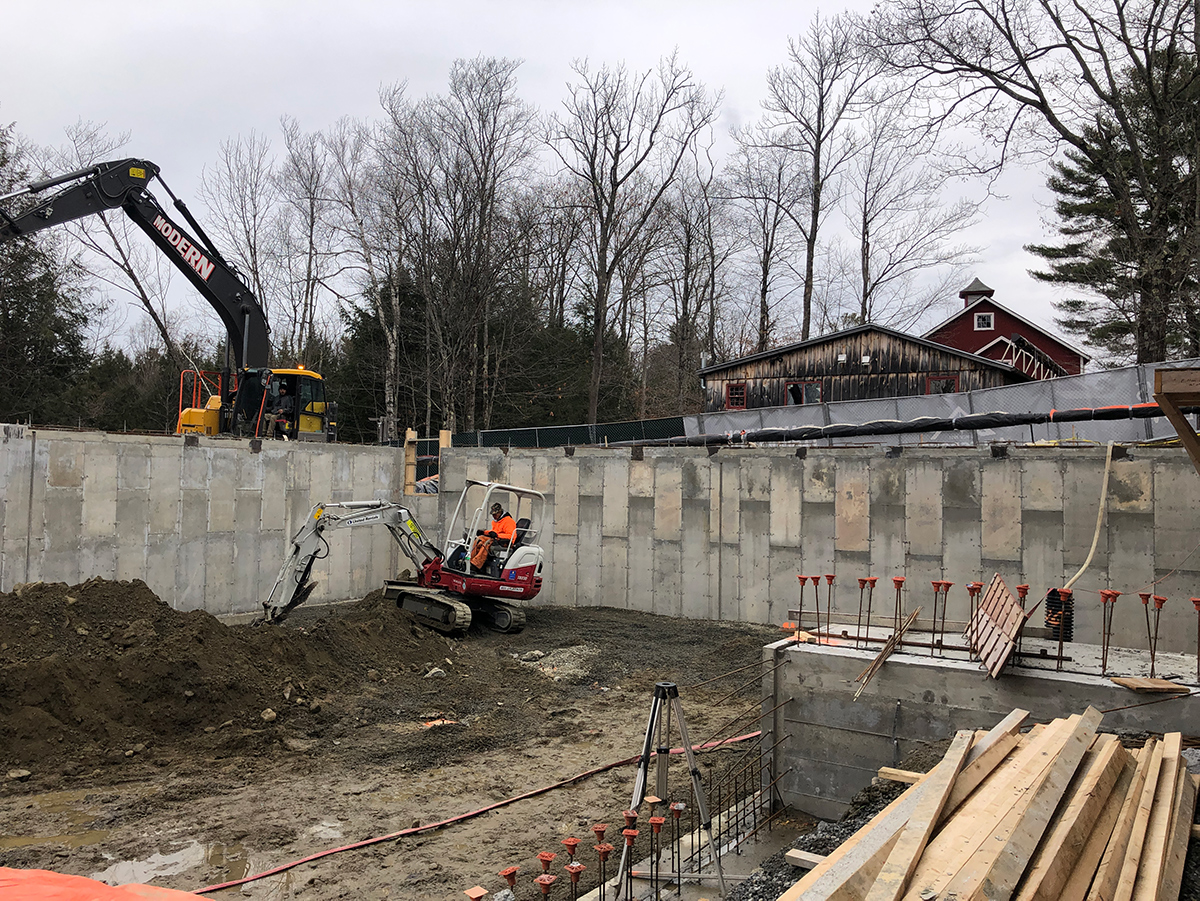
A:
473,576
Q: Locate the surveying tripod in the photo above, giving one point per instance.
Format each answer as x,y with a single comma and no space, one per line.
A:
660,723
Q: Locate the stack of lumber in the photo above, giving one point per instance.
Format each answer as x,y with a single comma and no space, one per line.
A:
1059,812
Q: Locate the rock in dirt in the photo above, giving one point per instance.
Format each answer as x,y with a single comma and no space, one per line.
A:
19,775
269,715
436,673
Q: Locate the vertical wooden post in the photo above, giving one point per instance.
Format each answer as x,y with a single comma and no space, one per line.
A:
410,461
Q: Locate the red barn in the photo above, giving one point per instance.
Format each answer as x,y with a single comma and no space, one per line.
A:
988,329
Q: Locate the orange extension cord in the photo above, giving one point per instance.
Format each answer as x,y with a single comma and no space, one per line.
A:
416,830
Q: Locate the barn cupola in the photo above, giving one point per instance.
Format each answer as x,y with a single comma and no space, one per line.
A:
974,292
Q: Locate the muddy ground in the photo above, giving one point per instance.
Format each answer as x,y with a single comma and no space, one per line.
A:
145,744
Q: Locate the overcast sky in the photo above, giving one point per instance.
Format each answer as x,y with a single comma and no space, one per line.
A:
182,77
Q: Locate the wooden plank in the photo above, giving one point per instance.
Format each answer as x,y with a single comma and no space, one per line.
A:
1140,683
894,775
805,860
1141,823
996,865
1015,616
1058,852
870,846
1076,887
1158,831
971,825
902,860
1185,810
975,771
1109,872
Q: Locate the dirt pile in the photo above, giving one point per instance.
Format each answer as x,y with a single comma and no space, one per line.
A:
102,669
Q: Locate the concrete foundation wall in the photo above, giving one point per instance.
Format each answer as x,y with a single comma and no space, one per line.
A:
205,523
833,745
676,532
682,533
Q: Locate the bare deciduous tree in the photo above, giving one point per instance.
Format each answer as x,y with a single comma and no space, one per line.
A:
905,225
766,186
116,254
623,137
306,240
812,100
1107,78
243,200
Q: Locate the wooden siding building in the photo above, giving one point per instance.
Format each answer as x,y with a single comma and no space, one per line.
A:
867,361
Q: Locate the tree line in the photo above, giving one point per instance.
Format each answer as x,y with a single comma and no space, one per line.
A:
463,260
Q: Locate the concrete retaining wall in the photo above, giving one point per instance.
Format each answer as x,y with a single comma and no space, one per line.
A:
204,522
683,533
670,531
833,745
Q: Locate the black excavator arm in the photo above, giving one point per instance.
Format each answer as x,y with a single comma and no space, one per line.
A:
125,184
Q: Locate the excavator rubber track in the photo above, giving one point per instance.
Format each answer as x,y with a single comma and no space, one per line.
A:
439,610
499,616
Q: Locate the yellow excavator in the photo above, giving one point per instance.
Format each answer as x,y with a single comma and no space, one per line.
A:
246,398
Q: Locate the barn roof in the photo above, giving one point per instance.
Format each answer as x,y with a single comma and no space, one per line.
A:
857,330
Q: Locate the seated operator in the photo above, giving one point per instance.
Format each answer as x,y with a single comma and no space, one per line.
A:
503,526
281,413
486,547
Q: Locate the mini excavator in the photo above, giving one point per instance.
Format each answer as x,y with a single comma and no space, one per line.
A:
475,576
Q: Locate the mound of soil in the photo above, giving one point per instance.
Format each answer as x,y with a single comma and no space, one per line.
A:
101,669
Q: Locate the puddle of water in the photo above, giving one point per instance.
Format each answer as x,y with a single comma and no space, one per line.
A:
231,858
67,806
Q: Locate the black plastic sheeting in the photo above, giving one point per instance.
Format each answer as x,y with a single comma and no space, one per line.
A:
966,422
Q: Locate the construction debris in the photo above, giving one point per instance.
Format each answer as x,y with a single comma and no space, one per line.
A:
1059,812
890,645
996,626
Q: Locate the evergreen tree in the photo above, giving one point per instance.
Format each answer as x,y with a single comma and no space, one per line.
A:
1135,249
42,320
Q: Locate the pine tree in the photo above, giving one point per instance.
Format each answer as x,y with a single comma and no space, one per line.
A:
1133,249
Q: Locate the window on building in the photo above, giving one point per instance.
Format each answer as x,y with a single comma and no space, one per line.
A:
803,393
941,384
985,322
735,396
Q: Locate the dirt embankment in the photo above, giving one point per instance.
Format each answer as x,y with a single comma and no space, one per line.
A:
143,733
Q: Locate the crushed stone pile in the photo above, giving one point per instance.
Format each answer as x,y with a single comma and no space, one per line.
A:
107,668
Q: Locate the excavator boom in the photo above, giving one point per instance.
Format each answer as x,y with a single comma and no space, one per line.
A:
124,184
